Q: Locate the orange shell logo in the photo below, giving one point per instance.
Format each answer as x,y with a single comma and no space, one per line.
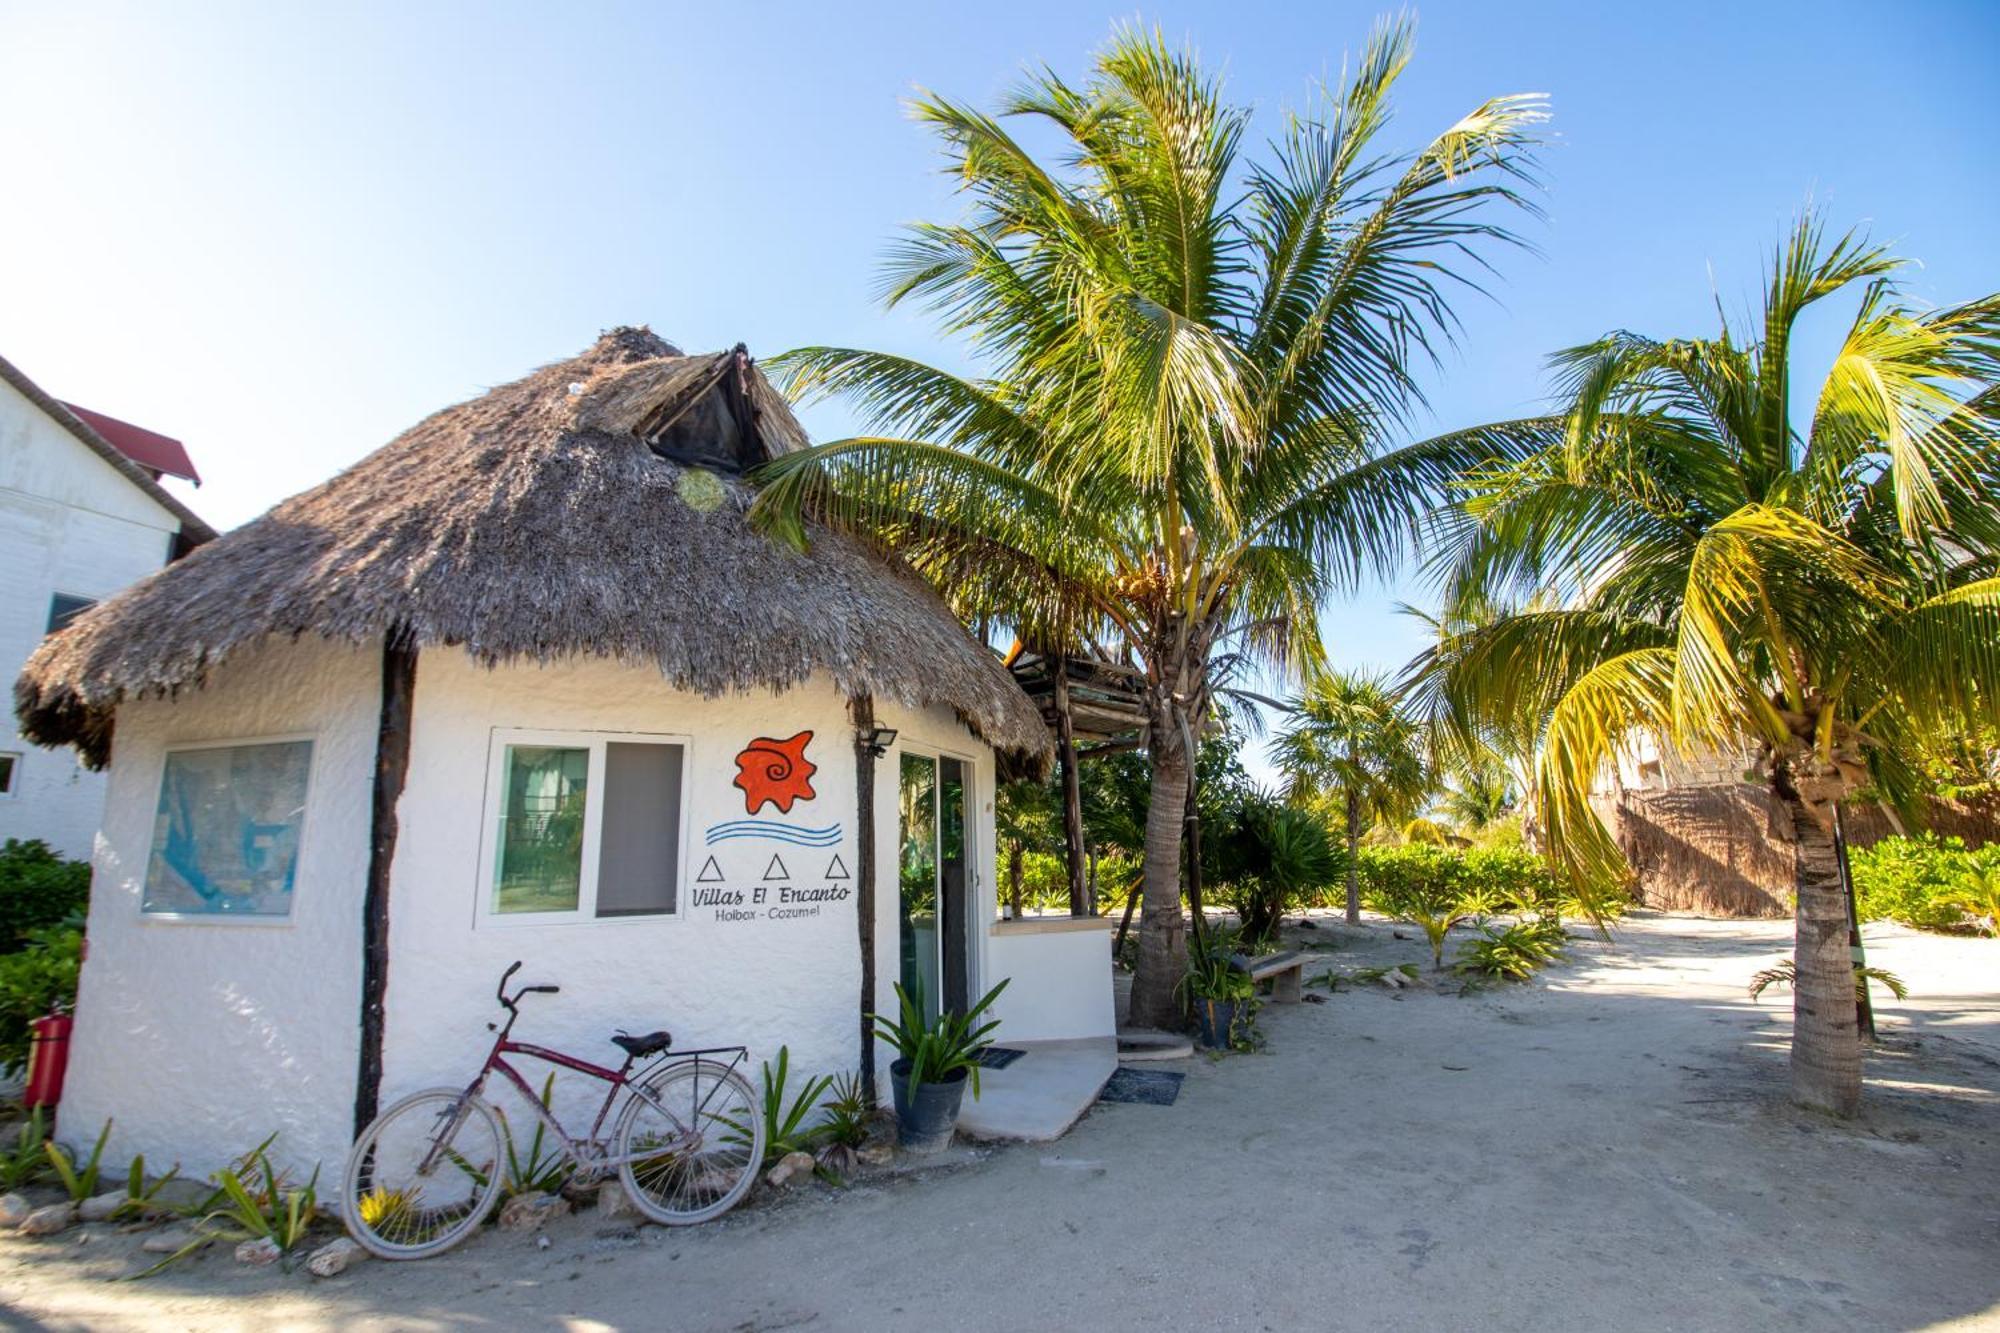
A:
775,771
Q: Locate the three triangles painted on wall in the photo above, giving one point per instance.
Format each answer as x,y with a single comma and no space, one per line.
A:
776,870
836,868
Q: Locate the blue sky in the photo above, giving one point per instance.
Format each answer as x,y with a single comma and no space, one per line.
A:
286,232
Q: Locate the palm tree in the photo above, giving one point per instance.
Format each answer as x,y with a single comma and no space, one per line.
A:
1191,364
1715,573
1348,740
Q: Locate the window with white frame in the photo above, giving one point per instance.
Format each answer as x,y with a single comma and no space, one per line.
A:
584,825
10,773
227,829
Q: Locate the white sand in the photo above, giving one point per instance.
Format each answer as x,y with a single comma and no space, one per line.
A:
1606,1149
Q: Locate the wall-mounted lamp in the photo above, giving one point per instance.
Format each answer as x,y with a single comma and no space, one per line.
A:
877,740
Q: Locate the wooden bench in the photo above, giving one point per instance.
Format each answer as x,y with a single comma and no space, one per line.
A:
1285,972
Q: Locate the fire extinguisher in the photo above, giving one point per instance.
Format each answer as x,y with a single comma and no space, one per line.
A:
48,1059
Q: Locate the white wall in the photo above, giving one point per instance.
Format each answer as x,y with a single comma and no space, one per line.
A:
69,522
1063,979
760,982
201,1037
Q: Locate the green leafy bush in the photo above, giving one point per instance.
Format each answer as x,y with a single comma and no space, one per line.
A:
38,979
1928,882
38,889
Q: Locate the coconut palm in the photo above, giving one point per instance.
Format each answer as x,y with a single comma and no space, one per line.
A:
1822,591
1192,362
1347,741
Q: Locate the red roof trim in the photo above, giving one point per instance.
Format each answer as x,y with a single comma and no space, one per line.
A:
147,448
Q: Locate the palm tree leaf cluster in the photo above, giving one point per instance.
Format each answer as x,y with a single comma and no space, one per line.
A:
1687,555
1192,358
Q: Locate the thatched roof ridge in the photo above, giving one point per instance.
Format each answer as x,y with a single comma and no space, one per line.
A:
533,524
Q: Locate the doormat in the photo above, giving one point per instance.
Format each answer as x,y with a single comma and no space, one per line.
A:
999,1057
1142,1087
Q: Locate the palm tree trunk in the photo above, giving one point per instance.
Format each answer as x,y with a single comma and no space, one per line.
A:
1353,858
1826,1049
1162,955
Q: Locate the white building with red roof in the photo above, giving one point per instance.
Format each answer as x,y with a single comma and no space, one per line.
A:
82,516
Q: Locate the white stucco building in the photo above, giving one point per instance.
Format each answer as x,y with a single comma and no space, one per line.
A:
525,684
79,520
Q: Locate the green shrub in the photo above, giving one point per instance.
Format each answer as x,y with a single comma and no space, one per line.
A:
36,980
38,889
1509,953
1927,882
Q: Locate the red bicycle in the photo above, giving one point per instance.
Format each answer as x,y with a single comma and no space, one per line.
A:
686,1144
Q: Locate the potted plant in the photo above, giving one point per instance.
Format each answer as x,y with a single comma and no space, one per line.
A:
1221,995
934,1062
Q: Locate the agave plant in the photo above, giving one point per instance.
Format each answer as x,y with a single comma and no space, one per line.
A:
945,1048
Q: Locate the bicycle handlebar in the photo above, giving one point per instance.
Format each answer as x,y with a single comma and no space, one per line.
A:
500,991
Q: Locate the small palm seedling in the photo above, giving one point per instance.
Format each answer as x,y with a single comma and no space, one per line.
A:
253,1200
1509,953
79,1178
142,1199
1786,974
846,1126
786,1127
539,1170
24,1161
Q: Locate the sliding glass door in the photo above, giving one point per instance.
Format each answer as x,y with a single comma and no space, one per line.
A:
934,877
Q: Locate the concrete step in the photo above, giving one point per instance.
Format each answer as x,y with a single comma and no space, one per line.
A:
1151,1044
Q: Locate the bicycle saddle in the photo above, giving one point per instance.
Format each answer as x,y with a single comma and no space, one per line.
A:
641,1047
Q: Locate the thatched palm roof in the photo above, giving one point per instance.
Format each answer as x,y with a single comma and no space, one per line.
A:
536,523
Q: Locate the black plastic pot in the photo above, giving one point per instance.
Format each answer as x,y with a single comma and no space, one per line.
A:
1214,1021
926,1114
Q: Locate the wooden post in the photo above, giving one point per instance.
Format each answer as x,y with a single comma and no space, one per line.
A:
392,764
863,708
1192,830
1072,794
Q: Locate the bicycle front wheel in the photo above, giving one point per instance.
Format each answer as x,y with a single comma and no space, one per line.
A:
423,1176
691,1141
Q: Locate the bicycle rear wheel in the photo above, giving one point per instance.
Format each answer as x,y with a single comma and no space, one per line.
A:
692,1143
423,1176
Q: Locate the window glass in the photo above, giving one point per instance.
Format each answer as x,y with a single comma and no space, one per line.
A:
226,836
540,866
639,843
917,909
64,608
10,765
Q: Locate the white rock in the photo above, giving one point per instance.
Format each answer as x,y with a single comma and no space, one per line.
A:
614,1204
335,1257
790,1165
258,1252
14,1210
880,1152
48,1221
99,1208
527,1212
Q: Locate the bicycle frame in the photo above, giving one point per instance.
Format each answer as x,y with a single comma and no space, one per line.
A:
590,1152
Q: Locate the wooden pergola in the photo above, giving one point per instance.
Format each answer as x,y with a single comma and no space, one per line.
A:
1094,706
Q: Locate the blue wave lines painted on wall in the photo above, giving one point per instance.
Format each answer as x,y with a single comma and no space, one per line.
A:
796,834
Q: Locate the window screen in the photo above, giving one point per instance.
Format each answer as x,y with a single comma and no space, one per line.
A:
226,835
639,852
64,608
